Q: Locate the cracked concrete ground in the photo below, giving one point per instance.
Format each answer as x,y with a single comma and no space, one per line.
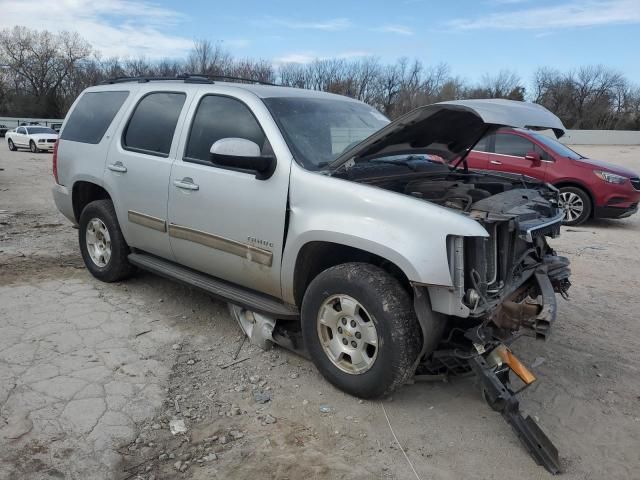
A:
90,378
79,362
78,369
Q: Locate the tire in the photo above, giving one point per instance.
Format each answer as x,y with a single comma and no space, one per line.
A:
102,217
33,147
12,146
382,301
577,205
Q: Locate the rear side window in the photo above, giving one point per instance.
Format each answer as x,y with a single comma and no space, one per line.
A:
151,127
513,145
92,116
483,144
221,117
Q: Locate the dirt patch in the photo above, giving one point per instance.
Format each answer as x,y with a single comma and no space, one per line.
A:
587,398
243,421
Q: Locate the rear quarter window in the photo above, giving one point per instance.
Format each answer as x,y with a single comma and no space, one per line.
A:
92,116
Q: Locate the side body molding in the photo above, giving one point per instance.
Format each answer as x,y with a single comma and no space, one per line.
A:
409,232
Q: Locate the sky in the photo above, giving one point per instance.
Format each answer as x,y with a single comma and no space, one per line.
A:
473,36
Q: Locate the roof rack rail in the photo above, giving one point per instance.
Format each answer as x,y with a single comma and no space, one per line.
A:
187,78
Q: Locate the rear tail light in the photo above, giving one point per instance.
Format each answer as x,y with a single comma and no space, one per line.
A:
55,161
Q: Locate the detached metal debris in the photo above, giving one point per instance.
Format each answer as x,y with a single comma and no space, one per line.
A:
501,398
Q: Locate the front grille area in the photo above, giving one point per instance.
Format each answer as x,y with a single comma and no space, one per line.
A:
636,183
51,140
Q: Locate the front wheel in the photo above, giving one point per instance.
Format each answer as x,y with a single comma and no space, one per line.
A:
360,329
33,147
12,146
576,204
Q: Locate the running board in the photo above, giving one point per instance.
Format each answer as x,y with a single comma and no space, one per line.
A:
257,302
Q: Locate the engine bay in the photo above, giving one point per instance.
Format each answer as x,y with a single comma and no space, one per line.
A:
509,279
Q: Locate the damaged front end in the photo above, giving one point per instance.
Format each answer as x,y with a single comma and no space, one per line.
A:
511,277
505,286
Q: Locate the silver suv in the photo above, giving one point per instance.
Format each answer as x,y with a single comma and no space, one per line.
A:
367,245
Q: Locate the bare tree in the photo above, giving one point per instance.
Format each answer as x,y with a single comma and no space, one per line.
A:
208,58
45,72
40,62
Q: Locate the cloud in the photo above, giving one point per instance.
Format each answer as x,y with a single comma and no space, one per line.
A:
296,58
113,27
237,42
309,57
573,14
397,29
327,25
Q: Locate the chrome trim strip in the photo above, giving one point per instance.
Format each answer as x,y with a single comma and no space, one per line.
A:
251,253
148,221
556,219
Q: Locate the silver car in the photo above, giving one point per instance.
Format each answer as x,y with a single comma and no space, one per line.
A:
366,245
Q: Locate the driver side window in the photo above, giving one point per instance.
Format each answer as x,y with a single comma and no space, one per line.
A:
514,145
219,117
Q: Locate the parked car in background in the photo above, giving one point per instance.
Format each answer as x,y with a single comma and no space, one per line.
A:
56,126
588,188
36,139
3,130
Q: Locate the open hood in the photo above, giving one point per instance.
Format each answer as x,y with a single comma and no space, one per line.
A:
449,129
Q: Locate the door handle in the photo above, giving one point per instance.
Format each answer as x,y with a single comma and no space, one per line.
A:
186,184
117,167
495,162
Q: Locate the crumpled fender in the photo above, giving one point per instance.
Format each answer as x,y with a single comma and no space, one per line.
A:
409,232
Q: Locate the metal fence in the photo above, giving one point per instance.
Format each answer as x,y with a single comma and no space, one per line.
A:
12,122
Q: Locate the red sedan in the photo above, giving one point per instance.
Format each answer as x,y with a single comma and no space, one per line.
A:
588,188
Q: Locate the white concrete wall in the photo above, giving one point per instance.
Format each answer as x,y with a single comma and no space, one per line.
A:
12,122
601,137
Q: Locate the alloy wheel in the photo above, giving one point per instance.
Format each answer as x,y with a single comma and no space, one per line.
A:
572,204
98,242
347,334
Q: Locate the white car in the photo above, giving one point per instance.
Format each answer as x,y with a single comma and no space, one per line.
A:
34,138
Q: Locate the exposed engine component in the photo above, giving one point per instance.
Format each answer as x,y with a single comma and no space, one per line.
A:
458,195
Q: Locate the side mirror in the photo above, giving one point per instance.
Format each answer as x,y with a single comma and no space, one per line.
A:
242,154
533,157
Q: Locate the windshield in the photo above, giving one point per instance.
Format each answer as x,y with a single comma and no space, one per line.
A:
317,130
557,147
32,130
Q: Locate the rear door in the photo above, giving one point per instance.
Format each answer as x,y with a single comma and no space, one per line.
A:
507,154
478,158
225,222
139,164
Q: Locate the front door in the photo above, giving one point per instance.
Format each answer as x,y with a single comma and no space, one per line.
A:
223,222
139,165
508,155
20,139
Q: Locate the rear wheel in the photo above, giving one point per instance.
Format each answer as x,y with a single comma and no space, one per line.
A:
33,147
360,329
576,204
103,247
12,147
